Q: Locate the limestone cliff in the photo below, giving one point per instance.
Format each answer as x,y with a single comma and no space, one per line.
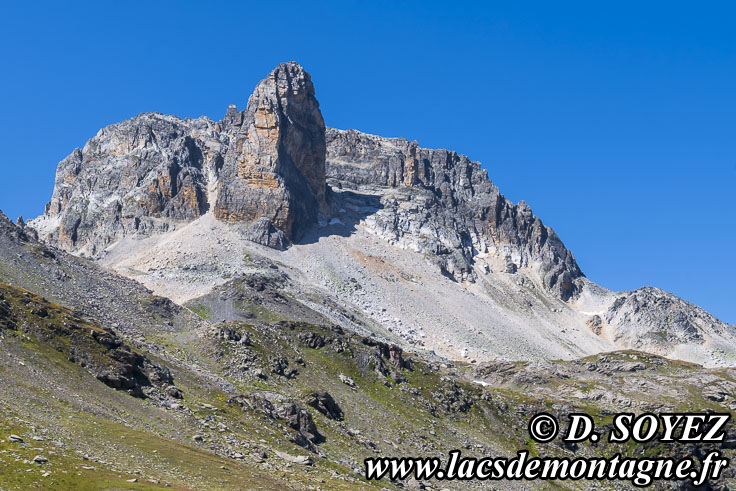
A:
275,163
448,207
133,176
268,167
153,172
177,204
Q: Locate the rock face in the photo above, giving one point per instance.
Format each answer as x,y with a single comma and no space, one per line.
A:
153,172
268,166
264,232
445,205
275,163
136,176
651,319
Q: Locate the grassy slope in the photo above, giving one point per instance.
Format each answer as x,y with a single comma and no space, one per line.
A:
44,394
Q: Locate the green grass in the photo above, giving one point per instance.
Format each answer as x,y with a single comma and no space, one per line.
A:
17,471
259,311
201,310
139,434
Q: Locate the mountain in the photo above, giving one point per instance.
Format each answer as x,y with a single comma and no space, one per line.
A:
107,386
265,302
146,174
177,203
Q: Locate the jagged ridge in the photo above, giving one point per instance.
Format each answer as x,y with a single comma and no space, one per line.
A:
459,214
264,172
148,174
155,171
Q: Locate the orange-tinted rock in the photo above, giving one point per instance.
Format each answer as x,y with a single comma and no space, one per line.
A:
276,166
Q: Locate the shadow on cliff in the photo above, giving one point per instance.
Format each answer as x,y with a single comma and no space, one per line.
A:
348,209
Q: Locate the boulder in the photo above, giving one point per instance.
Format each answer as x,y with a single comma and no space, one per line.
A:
325,404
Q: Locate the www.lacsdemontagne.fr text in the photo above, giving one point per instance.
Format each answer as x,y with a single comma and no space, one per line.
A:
639,471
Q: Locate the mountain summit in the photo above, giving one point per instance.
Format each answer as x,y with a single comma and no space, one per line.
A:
268,162
147,174
385,236
274,165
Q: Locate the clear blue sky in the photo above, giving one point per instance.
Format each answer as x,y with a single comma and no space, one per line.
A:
615,121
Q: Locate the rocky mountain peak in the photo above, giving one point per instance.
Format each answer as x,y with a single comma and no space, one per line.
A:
266,168
150,173
442,203
275,163
174,203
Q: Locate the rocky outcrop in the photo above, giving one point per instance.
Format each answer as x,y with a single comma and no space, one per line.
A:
275,163
153,172
127,370
654,320
452,398
139,176
264,232
275,406
325,404
102,352
444,205
382,358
